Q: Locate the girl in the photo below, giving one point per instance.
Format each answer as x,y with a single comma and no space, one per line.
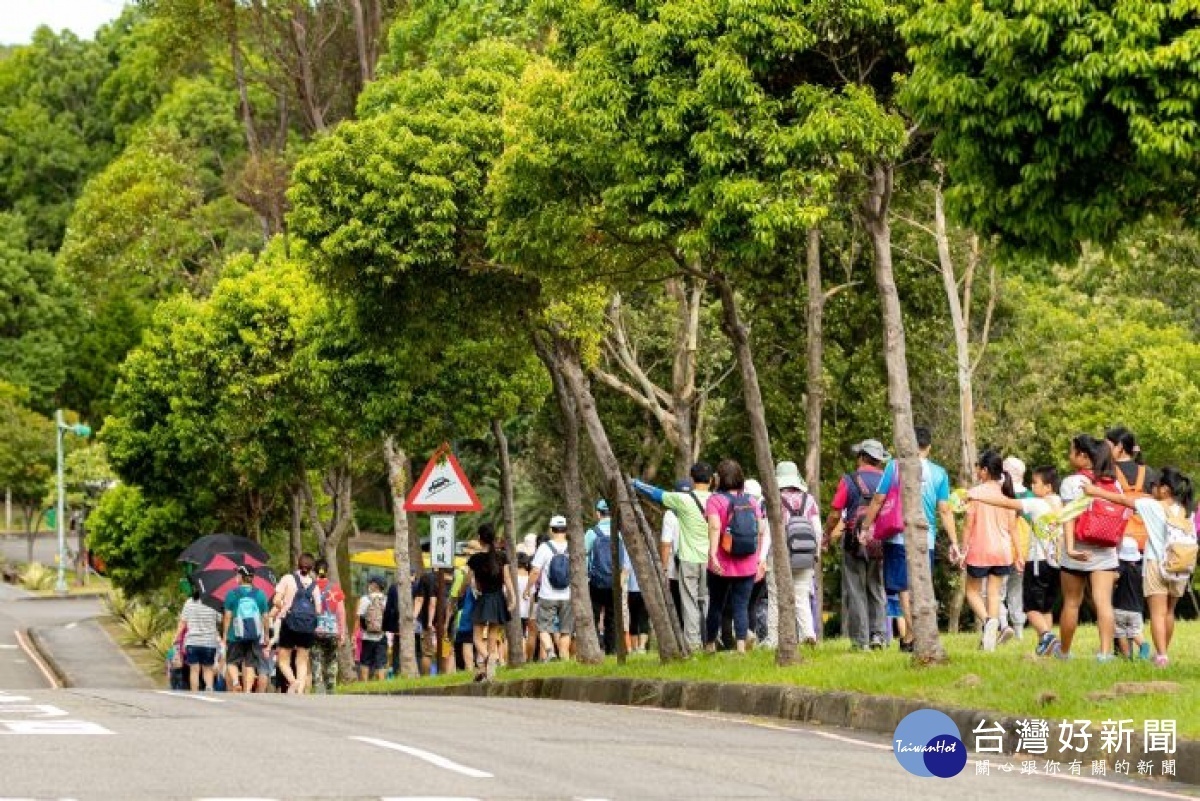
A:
989,551
1084,565
198,624
730,577
1173,496
496,596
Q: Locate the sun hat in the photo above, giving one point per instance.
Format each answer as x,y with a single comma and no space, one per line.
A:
752,487
787,475
873,448
1016,471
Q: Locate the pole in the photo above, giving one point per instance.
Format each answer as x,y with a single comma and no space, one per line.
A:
60,586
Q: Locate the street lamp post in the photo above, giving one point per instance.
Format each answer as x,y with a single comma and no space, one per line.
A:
78,430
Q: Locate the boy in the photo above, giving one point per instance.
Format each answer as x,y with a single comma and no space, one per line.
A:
1127,602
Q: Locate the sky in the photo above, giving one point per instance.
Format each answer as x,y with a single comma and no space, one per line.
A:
20,18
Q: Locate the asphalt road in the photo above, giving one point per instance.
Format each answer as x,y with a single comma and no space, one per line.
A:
129,744
17,669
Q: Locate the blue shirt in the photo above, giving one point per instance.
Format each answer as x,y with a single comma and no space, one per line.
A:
935,488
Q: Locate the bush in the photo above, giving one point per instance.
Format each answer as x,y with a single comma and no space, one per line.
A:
119,605
145,624
161,644
37,576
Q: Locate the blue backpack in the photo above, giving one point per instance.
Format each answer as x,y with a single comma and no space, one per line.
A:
302,617
741,537
247,617
600,563
558,572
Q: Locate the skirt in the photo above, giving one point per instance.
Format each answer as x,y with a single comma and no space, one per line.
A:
490,608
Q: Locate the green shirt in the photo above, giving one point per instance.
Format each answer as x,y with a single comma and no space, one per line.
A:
693,527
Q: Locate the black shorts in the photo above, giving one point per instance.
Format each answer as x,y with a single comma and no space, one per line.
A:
983,572
289,638
1077,573
1040,589
245,655
374,653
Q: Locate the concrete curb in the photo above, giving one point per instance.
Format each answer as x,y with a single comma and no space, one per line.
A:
879,714
79,596
44,653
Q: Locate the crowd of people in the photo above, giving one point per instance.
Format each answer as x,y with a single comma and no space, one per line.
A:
1113,526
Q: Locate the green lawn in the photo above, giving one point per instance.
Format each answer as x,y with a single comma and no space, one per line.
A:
96,586
1011,680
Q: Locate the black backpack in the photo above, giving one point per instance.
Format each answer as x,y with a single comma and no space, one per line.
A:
558,572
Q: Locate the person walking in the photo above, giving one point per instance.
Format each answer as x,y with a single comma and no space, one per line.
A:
495,602
330,634
373,651
735,523
864,601
689,506
198,624
603,575
802,525
550,577
297,606
668,551
245,627
990,532
1012,595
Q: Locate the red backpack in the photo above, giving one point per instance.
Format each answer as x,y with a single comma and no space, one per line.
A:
1103,524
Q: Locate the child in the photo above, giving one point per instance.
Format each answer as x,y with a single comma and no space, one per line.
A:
1172,500
989,552
1040,589
1127,602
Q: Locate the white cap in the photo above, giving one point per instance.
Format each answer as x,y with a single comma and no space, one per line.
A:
558,521
752,487
1129,550
1016,471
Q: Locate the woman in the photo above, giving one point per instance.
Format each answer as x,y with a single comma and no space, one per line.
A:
297,607
989,539
494,603
198,624
1173,496
1136,479
1082,565
730,573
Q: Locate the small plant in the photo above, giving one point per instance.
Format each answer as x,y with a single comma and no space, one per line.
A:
161,645
144,624
119,605
37,576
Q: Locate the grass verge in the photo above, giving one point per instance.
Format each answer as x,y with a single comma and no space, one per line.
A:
1011,680
97,586
145,659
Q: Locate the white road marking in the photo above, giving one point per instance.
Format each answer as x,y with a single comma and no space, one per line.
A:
47,674
8,646
193,696
1108,785
426,798
70,626
51,727
431,758
231,799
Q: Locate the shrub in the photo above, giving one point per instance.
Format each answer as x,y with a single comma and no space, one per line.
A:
37,576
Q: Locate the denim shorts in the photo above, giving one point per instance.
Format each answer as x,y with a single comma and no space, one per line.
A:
204,656
895,568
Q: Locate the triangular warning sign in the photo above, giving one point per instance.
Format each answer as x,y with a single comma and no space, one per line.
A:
443,487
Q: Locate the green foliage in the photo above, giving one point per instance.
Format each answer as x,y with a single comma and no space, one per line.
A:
1060,121
27,449
145,625
36,577
139,540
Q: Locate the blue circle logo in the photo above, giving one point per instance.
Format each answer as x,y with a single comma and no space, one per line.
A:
927,743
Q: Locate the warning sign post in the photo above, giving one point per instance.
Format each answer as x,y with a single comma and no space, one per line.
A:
442,490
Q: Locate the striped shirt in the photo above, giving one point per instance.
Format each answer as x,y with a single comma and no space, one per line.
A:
201,623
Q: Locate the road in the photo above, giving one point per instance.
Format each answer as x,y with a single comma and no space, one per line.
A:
146,744
17,669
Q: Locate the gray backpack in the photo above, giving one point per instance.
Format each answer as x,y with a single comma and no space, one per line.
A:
802,539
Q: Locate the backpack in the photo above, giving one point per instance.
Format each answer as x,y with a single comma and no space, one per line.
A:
1136,527
327,622
1103,524
1179,555
890,520
802,540
741,535
600,563
247,618
558,572
302,617
373,616
857,513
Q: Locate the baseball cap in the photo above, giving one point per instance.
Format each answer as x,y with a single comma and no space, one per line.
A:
558,522
602,506
683,485
873,448
752,487
244,571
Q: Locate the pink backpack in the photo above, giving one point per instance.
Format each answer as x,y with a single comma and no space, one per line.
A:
890,520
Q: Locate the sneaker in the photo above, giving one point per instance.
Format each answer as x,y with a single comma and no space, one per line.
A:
876,642
1058,653
906,646
1161,660
811,642
991,633
1046,642
1006,635
1106,658
1144,651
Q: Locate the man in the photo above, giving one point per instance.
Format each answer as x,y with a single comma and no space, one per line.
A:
603,575
554,602
864,603
245,628
296,606
372,659
935,502
331,632
689,506
425,603
668,550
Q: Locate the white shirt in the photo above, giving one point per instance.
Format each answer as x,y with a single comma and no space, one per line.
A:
541,563
1039,550
201,623
670,536
522,583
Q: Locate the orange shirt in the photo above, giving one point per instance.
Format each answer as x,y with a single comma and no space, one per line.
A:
989,537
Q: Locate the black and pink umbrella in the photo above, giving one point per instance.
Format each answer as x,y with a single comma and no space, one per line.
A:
201,551
220,575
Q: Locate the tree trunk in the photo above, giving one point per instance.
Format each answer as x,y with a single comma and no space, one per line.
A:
296,542
306,81
239,76
962,346
683,372
397,462
516,637
645,564
586,642
927,644
32,524
815,396
739,335
362,36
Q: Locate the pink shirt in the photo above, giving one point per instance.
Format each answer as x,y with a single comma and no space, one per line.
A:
718,506
989,539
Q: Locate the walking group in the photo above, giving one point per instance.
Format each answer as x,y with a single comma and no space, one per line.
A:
1113,529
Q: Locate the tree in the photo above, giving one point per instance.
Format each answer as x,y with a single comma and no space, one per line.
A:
27,456
1059,122
139,540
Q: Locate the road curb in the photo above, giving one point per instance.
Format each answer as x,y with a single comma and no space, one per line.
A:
878,714
47,657
79,596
